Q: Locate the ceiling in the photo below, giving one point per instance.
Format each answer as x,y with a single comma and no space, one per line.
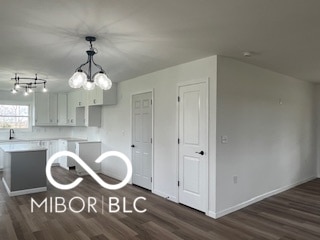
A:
135,37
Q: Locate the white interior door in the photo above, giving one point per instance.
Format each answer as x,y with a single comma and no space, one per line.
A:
142,140
193,145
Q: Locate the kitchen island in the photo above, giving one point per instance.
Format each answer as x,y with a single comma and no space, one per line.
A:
24,168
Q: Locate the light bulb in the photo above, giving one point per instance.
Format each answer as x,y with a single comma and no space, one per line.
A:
89,86
44,89
77,79
17,86
14,91
102,80
30,90
26,93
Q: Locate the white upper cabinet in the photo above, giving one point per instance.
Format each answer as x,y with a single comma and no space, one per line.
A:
53,108
40,109
45,108
77,101
62,109
103,97
77,108
72,104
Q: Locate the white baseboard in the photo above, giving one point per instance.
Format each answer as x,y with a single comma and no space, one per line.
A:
212,214
85,173
112,175
166,196
22,192
256,199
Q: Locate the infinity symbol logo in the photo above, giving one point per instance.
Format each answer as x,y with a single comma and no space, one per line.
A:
89,170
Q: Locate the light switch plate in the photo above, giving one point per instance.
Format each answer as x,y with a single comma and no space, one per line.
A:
224,139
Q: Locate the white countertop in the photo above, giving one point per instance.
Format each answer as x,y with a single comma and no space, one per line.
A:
16,140
9,148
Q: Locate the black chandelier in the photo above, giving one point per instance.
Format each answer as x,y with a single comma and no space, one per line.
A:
27,84
87,79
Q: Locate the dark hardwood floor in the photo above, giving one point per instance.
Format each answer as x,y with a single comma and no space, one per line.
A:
294,214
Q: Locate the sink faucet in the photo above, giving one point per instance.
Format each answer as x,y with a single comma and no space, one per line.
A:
11,134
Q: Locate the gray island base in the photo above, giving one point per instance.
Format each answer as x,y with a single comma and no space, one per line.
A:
24,169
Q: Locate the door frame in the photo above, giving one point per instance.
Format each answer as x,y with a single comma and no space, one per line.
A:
182,84
152,130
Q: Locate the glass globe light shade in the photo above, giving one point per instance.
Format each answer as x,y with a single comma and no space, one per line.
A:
102,80
14,91
77,79
44,89
30,90
17,86
89,85
26,93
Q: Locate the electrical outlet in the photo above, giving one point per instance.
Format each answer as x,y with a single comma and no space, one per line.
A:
224,139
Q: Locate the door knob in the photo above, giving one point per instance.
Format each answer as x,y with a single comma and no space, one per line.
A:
201,152
132,146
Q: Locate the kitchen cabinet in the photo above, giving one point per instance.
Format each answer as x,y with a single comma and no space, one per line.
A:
72,102
52,147
53,108
62,109
24,170
80,116
82,98
94,116
41,109
88,152
63,146
77,102
103,97
45,109
68,162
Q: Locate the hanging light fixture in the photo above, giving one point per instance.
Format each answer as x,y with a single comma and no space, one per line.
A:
27,83
87,79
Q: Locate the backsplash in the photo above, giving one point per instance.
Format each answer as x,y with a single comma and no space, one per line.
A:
39,132
89,133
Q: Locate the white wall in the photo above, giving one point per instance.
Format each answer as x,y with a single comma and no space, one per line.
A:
115,132
270,145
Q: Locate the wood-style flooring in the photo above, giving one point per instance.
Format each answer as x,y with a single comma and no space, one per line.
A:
294,214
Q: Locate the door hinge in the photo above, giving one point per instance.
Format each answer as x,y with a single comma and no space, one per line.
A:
178,183
151,179
150,140
151,101
178,140
178,98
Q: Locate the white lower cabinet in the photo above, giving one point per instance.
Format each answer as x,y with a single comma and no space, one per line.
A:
67,162
88,152
52,148
63,146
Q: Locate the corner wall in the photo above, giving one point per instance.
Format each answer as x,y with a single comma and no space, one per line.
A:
318,126
115,132
269,122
